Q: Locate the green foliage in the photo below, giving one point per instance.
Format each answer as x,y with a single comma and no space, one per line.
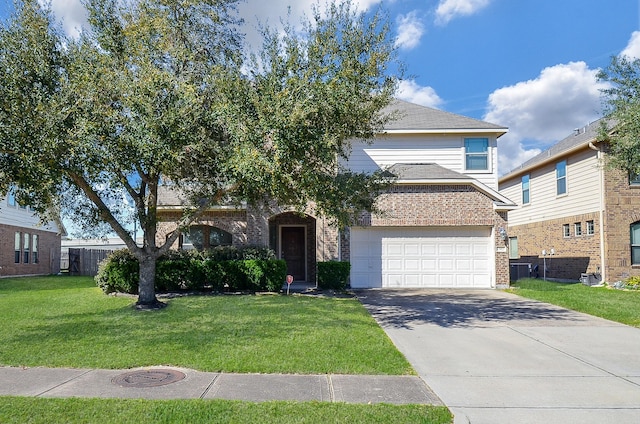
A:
118,273
633,283
221,269
622,108
157,90
333,275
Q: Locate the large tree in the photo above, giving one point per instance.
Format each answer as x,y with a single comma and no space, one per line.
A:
158,92
622,110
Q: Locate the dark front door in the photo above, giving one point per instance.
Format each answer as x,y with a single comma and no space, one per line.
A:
292,250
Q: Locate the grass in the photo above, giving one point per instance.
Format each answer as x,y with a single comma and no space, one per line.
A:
68,322
615,305
105,411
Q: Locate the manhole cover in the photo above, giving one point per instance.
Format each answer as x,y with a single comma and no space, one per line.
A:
148,378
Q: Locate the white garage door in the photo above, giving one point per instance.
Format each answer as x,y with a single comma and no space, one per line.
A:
421,257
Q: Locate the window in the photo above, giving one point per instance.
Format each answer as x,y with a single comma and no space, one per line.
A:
203,237
577,227
513,248
25,248
525,189
634,180
17,244
476,152
566,231
591,228
561,177
34,248
635,243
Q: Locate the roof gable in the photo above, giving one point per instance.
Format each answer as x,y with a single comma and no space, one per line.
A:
413,117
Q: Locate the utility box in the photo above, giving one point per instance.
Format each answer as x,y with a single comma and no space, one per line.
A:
590,279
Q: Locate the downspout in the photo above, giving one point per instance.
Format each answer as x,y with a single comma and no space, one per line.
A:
603,268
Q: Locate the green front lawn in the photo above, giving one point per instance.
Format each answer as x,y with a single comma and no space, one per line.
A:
615,305
122,411
69,322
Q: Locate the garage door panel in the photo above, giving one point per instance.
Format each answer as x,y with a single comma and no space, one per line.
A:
421,257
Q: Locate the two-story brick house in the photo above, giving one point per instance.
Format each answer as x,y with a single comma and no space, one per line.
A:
27,247
443,222
583,214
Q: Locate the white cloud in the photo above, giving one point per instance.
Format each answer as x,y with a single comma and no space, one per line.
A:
544,110
410,30
450,9
71,13
411,91
632,50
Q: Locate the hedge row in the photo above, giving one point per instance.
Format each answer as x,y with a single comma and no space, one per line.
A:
333,275
221,269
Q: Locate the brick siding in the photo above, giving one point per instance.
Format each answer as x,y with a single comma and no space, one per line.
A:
49,247
622,208
573,255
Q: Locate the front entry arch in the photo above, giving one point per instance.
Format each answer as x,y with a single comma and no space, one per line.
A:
293,237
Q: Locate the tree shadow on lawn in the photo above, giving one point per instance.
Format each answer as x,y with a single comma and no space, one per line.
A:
461,308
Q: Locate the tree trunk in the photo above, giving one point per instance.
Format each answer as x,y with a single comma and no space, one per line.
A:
146,287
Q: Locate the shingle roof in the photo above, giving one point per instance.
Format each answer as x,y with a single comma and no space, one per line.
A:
416,117
580,136
424,171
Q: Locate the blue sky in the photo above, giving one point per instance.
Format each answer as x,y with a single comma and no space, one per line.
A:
529,65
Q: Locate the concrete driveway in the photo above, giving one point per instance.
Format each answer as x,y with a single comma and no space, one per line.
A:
493,357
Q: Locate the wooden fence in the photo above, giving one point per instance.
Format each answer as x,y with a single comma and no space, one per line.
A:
85,261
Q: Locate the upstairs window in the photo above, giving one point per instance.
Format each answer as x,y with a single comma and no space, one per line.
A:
561,177
476,153
525,189
635,243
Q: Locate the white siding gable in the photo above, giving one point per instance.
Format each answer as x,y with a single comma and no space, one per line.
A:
25,218
444,150
583,190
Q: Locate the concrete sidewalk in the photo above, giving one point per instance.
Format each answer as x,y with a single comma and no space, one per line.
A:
493,357
179,383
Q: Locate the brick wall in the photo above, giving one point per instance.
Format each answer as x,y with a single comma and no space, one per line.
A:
48,252
423,205
565,264
622,208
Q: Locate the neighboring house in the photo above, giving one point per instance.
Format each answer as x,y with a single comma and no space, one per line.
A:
584,215
443,222
28,246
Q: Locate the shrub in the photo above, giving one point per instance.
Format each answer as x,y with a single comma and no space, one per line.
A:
633,283
119,272
333,275
218,269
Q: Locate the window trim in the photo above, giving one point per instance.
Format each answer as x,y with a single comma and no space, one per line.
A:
486,154
577,229
566,230
526,190
591,227
514,253
634,245
563,177
17,246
